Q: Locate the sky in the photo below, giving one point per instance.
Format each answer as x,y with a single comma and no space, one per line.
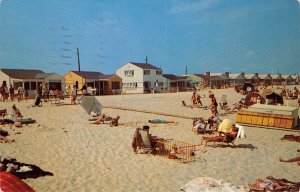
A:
206,35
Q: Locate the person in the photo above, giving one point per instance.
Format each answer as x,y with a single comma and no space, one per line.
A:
84,89
199,125
114,121
73,95
45,92
194,98
137,138
213,104
26,94
11,92
40,90
37,100
156,121
214,119
16,112
2,92
20,93
199,100
102,118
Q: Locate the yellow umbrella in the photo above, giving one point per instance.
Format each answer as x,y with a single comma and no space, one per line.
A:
225,126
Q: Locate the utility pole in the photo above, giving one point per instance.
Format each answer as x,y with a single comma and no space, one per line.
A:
185,70
78,60
146,60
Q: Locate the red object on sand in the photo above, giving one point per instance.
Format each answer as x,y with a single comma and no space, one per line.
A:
11,183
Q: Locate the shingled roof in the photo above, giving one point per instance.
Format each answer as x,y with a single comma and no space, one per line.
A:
88,74
21,73
145,66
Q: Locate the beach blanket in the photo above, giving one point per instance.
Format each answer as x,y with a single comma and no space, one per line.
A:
22,170
209,184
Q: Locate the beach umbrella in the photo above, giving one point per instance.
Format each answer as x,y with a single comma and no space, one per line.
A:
266,92
278,99
225,126
248,87
252,98
90,103
11,183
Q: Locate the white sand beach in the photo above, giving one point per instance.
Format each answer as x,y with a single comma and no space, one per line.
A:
85,157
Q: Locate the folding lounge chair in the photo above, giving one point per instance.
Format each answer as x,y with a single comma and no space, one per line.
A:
222,138
142,141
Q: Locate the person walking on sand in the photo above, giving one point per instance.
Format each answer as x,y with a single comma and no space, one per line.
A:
11,92
73,95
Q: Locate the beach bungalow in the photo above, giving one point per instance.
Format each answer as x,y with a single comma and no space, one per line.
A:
277,79
25,78
288,80
174,83
54,80
296,79
198,81
265,79
140,78
236,79
218,80
112,84
252,78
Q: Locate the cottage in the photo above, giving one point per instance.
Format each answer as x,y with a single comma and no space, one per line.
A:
198,81
140,78
54,80
25,78
174,83
252,78
236,79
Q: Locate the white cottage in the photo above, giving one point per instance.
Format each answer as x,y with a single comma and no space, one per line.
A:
140,77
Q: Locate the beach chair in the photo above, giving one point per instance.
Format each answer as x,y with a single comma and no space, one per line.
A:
224,108
142,141
225,138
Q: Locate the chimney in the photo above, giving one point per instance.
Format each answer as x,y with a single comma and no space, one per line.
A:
243,74
256,74
208,74
226,74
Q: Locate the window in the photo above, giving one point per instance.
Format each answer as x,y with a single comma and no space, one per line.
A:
33,85
129,72
115,85
26,85
146,72
158,72
132,84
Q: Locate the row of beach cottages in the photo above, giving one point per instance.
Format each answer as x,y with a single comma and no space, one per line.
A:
136,78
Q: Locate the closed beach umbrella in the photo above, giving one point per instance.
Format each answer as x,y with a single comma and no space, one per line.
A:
225,126
90,103
11,183
278,99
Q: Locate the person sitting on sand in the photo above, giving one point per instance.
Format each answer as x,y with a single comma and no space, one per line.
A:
114,121
16,112
199,125
214,119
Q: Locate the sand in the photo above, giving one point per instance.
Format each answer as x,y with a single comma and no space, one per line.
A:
85,157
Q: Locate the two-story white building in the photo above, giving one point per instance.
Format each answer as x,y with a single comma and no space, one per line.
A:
140,77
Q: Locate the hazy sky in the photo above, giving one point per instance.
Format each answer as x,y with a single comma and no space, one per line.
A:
205,35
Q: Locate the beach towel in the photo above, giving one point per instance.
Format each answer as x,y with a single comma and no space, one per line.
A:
241,131
11,183
209,184
27,120
158,121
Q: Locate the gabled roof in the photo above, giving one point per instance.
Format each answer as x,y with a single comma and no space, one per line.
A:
202,76
43,75
21,73
145,66
234,75
88,74
263,76
216,74
295,76
249,75
170,76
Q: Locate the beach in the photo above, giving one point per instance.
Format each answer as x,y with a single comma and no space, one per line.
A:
86,157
